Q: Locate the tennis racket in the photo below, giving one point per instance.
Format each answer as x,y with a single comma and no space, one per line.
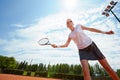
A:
44,41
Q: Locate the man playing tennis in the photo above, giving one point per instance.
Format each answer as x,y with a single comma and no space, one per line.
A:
87,48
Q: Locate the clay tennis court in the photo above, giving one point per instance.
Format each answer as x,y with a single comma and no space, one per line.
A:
17,77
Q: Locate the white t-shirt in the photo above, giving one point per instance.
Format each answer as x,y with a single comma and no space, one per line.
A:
80,38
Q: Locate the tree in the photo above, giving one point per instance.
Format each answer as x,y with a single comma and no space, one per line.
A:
57,69
118,72
64,68
98,70
91,70
77,69
23,65
34,67
40,67
71,70
11,63
7,62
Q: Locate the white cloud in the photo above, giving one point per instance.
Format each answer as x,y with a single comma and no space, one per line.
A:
18,25
24,46
2,42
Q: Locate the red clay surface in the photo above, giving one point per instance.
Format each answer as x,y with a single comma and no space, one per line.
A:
17,77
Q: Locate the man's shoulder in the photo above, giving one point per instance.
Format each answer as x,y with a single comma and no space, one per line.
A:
78,26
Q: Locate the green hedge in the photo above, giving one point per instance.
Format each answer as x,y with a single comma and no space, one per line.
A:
53,75
24,73
67,76
32,73
101,78
0,70
37,74
41,74
15,71
77,77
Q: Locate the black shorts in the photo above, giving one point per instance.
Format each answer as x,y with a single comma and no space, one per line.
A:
91,53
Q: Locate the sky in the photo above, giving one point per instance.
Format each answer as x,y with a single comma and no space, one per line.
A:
24,22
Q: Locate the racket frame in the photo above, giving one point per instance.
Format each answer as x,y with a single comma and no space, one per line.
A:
47,43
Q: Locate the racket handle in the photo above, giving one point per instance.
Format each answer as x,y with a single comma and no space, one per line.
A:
54,46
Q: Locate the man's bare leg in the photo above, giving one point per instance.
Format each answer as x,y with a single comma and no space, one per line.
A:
86,71
108,68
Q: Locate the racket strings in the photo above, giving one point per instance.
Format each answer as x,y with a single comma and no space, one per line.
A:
43,41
